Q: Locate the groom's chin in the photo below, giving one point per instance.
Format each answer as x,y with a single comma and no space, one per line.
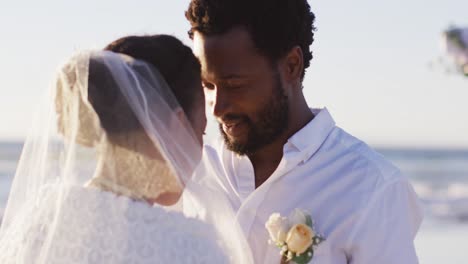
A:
238,145
235,145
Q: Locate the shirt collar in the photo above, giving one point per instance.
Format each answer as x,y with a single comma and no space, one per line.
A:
311,136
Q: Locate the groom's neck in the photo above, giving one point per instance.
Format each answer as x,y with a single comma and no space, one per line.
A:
266,159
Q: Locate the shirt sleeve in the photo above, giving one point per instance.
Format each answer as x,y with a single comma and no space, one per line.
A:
387,227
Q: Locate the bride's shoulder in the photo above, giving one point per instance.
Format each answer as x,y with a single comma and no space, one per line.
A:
176,236
133,211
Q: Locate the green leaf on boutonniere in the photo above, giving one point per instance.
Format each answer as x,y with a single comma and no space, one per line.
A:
305,257
309,221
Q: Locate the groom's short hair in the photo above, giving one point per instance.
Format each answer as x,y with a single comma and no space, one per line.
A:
276,26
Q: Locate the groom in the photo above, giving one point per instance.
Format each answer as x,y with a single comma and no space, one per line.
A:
278,154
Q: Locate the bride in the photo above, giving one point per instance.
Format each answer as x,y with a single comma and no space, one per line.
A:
111,153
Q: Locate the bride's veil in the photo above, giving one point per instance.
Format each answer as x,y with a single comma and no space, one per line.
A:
109,124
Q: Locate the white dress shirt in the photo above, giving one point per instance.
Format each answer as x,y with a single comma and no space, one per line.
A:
365,208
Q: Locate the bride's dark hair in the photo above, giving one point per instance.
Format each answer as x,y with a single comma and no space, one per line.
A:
111,107
174,60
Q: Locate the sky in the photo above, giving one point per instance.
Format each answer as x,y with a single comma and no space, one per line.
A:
371,65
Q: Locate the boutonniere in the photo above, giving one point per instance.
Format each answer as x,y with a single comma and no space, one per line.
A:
294,235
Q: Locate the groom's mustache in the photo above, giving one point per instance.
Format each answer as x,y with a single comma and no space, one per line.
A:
232,119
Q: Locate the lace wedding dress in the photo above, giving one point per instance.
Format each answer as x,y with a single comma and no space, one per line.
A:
124,231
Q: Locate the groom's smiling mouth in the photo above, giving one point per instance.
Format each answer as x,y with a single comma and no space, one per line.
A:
234,128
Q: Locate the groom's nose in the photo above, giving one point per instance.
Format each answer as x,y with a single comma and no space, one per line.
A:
218,101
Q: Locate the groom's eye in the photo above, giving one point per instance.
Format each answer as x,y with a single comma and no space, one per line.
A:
234,84
208,86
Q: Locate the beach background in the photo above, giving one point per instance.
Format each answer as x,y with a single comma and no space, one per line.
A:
378,67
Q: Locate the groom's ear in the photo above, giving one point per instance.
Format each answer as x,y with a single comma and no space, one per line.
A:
292,65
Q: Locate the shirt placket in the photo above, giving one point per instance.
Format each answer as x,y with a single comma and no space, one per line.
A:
245,177
248,211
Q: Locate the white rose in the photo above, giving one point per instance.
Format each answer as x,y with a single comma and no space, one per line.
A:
299,238
297,217
277,227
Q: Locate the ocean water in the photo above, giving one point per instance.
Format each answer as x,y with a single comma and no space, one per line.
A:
9,155
439,176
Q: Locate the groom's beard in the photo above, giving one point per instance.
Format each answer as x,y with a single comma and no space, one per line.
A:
273,121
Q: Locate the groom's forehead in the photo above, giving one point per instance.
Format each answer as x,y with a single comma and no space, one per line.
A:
226,54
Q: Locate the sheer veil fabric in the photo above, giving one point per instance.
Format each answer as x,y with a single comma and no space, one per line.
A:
110,137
